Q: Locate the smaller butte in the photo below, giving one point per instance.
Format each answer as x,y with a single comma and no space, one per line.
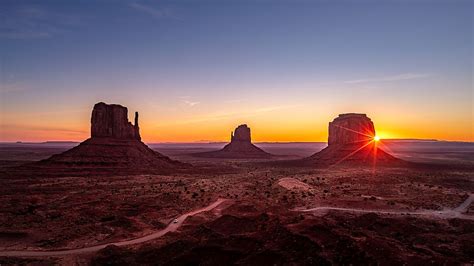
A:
240,147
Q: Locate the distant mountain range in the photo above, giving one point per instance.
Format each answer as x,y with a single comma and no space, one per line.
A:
410,140
44,142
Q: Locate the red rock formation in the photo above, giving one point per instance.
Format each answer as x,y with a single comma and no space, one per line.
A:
242,133
240,146
351,140
115,145
112,121
351,128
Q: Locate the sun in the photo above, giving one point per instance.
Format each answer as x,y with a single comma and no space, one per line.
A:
376,138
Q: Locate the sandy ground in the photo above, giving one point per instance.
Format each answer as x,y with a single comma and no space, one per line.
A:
413,215
171,227
293,184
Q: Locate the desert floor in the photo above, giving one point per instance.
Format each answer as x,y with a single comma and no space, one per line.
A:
240,212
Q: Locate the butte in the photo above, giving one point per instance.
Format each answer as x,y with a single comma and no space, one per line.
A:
114,146
240,147
352,140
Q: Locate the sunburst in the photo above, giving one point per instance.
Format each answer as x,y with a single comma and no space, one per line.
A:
371,139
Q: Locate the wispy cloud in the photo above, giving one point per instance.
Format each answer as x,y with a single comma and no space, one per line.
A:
31,22
400,77
235,101
187,101
190,103
41,129
153,11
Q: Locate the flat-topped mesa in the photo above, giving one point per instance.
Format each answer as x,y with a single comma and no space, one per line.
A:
111,120
241,133
351,128
351,141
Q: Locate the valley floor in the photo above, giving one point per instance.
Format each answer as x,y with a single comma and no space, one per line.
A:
271,215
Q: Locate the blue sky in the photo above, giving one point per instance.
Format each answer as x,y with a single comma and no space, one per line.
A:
405,63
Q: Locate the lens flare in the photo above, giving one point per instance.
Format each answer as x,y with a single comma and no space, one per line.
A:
376,138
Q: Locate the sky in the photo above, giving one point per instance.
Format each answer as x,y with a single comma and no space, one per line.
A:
194,70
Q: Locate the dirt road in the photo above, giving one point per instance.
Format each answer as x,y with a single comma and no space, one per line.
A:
457,212
171,227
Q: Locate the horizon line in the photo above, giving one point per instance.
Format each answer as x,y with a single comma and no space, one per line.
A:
219,142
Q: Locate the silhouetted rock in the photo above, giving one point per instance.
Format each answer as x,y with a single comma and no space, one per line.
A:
115,145
240,147
111,120
351,141
351,128
241,133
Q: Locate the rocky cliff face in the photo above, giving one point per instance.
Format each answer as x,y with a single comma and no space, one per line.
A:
351,141
111,120
351,128
241,133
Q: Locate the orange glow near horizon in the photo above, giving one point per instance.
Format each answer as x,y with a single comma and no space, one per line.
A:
212,133
192,81
282,125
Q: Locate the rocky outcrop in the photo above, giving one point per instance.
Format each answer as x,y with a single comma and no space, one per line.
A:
351,128
111,120
114,146
241,133
351,140
240,147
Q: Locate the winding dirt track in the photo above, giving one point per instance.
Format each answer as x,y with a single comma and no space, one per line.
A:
457,212
171,227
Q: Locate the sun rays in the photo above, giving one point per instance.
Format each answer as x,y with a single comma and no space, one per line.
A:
372,142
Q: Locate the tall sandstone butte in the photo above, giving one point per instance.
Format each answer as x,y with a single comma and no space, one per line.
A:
351,141
241,133
111,120
240,147
351,128
115,144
